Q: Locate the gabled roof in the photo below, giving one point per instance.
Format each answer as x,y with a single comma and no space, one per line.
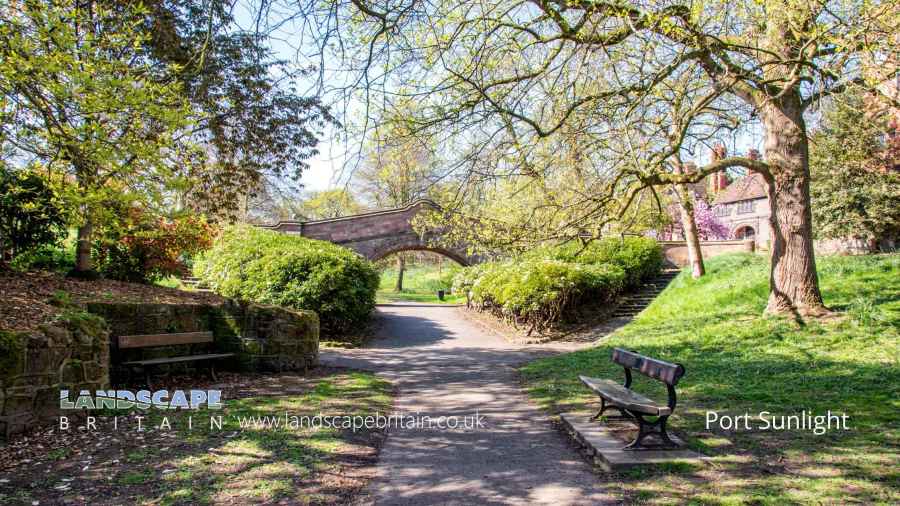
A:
749,187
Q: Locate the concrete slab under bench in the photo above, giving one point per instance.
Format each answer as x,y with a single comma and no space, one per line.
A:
606,449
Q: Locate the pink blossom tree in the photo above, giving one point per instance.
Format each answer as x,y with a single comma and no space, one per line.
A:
709,225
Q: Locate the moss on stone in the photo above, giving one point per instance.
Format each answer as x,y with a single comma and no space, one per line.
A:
84,324
12,347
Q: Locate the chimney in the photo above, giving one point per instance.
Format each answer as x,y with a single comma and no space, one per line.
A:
716,180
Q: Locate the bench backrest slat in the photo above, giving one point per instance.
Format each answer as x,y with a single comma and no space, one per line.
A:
666,372
151,340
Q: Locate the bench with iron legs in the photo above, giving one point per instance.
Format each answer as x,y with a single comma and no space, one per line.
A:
158,340
634,406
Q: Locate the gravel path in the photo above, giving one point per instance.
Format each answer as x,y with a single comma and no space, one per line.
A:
445,365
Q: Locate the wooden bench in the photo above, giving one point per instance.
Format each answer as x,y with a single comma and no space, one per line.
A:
634,406
158,340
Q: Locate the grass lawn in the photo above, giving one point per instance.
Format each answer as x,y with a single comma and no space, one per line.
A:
202,465
739,361
420,284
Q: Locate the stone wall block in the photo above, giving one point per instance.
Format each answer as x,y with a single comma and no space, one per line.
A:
19,404
71,371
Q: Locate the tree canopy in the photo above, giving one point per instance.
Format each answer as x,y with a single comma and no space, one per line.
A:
80,95
855,178
257,129
642,86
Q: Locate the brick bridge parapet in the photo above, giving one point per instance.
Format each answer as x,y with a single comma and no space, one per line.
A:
375,234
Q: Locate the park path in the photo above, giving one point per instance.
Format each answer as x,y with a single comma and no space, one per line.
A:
445,365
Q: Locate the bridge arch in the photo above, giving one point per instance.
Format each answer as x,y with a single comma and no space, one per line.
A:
375,234
452,255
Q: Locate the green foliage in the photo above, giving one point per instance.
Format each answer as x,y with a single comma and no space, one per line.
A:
80,94
640,257
31,214
273,268
45,258
421,283
61,298
855,187
739,360
328,204
547,285
256,125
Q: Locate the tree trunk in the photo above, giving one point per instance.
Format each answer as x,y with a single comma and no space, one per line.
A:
689,225
793,280
691,234
401,266
83,262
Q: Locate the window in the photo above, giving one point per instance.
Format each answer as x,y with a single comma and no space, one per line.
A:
746,206
721,210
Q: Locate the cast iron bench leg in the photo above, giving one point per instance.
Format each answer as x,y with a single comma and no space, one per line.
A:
604,406
645,429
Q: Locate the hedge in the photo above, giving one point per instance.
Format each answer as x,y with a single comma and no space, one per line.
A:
640,257
546,285
292,271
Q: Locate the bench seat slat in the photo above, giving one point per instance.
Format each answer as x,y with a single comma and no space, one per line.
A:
186,358
151,340
624,397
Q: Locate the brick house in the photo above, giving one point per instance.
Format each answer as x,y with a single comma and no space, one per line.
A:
743,205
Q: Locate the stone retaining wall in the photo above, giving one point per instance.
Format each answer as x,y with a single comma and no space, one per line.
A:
77,351
676,252
264,338
70,354
267,338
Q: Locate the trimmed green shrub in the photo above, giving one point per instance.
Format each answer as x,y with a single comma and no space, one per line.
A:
292,271
640,257
32,215
548,284
47,258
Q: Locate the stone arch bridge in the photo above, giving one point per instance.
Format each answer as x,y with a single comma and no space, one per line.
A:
375,234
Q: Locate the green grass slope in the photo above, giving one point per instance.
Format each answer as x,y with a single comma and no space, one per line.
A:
739,361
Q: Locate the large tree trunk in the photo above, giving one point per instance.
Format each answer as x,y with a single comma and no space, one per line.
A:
83,262
401,266
793,282
84,267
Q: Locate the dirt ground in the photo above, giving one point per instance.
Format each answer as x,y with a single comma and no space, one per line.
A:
27,298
